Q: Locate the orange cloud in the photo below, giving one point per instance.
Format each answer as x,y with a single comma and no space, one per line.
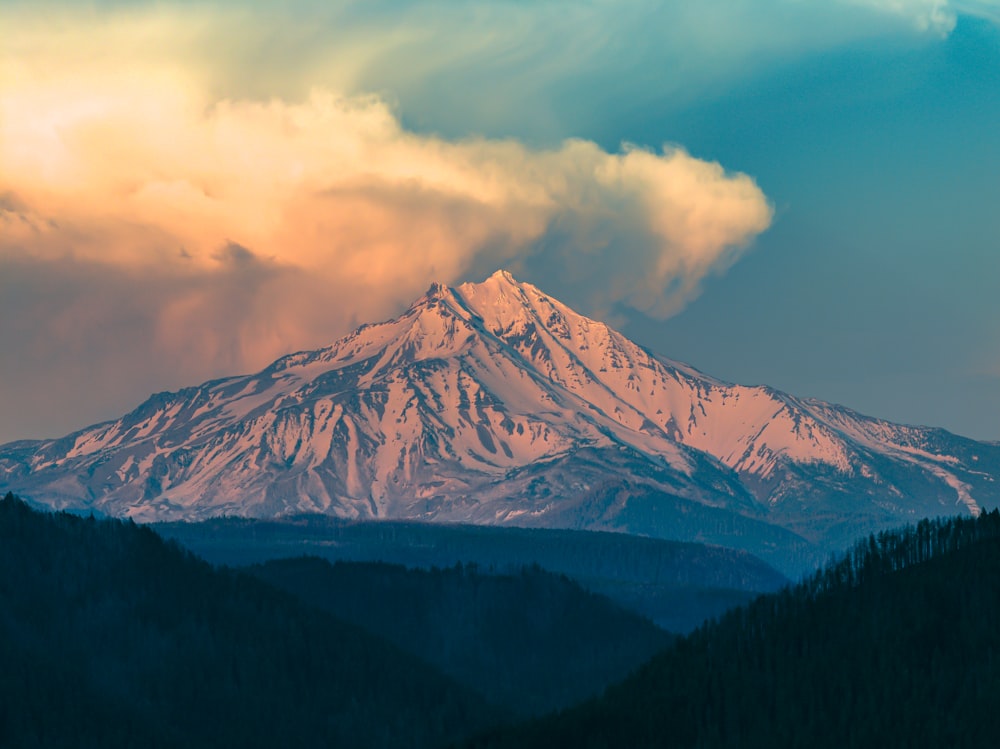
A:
233,231
138,175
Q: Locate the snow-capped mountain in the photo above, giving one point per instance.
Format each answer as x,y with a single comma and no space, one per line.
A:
495,403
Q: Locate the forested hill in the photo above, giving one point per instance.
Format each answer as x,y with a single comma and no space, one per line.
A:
530,642
678,585
111,637
896,645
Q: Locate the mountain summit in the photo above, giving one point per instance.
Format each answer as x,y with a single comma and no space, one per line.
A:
495,403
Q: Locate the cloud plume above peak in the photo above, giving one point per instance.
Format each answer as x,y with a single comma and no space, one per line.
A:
155,235
334,185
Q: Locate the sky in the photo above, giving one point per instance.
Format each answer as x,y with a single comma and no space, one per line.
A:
780,192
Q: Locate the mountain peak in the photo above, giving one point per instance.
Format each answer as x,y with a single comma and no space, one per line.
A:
438,299
503,276
506,304
436,289
501,281
436,292
493,402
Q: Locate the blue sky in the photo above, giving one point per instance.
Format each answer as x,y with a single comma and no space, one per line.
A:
781,192
878,285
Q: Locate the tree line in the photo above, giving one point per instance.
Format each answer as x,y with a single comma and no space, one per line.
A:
893,644
111,637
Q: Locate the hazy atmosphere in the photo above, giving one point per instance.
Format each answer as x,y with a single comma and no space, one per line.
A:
781,192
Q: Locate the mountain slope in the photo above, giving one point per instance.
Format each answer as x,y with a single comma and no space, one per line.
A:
676,585
110,637
494,403
530,641
893,646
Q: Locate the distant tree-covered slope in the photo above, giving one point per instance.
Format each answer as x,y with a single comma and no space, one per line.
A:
110,637
896,645
531,641
676,584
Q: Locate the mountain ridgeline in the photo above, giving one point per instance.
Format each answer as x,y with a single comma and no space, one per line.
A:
895,644
110,636
675,584
493,403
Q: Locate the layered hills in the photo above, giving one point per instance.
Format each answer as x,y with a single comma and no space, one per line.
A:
110,637
895,644
675,584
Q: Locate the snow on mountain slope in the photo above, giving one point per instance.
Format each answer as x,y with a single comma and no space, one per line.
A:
494,403
646,393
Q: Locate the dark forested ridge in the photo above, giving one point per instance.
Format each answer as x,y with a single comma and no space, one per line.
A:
895,645
110,637
531,641
676,584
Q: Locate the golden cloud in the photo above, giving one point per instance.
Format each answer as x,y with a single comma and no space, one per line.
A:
242,229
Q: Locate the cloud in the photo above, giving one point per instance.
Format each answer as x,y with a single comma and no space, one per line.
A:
926,15
188,191
936,16
154,235
148,179
985,9
135,175
542,70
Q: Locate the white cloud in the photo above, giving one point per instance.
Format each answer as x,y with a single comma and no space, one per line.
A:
141,147
938,16
538,70
987,9
126,174
210,236
926,15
